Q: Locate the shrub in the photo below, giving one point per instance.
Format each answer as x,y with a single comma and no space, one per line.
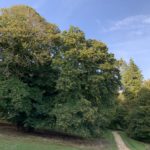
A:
139,123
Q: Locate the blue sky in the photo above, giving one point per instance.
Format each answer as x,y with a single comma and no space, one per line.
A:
124,25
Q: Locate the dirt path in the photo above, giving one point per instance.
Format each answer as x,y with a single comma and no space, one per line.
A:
120,144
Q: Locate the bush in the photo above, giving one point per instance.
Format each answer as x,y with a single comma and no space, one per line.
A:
139,123
119,121
79,118
18,102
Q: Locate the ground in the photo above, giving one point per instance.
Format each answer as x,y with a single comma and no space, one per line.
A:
120,143
11,139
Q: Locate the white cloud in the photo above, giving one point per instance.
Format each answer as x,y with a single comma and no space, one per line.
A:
131,22
129,38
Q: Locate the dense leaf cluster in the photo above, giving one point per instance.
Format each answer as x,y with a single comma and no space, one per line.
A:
54,80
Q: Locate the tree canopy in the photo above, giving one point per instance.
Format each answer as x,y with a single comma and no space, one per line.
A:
54,80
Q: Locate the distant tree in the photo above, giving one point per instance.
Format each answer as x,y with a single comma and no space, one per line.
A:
132,81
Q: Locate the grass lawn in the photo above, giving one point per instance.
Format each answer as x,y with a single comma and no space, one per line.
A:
17,144
10,139
133,144
10,142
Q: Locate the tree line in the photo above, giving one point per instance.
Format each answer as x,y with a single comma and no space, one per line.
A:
54,80
61,81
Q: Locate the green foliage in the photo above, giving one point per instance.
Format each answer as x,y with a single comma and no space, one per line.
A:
139,117
133,105
132,81
18,102
88,81
28,45
49,79
139,126
119,122
81,119
75,118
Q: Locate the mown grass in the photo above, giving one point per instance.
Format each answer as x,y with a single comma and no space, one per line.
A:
133,144
10,142
11,139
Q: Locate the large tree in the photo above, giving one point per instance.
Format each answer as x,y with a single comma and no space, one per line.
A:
87,84
28,45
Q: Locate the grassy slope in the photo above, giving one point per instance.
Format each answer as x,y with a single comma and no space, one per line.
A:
133,144
28,143
10,139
